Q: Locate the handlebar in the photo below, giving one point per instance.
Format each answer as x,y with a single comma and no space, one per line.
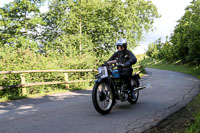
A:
112,62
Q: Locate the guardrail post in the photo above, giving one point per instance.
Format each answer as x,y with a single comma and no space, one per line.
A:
23,81
66,79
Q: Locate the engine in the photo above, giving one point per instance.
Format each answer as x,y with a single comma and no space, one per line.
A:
122,89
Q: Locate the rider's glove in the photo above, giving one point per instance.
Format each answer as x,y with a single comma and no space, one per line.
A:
120,65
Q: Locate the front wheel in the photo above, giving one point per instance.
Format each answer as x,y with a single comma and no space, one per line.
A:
102,98
134,84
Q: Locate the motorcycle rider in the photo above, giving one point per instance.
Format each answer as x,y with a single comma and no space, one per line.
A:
125,59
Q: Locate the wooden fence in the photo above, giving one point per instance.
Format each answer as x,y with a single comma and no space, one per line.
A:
23,84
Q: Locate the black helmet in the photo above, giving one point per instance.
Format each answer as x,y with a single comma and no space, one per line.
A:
122,42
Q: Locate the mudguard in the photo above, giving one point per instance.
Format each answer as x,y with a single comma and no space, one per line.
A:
99,80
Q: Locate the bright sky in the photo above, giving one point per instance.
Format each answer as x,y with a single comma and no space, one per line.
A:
2,2
170,10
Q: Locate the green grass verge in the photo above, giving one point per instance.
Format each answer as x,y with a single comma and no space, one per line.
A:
194,127
188,119
186,68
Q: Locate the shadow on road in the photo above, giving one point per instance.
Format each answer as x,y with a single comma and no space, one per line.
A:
32,105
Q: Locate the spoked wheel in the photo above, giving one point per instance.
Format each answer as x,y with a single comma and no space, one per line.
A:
102,98
130,99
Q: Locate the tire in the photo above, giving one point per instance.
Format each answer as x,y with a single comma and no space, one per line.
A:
102,98
134,83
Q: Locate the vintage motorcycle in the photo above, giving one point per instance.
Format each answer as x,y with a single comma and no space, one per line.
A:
109,87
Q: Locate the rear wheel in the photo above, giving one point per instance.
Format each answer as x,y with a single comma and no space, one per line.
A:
131,100
102,98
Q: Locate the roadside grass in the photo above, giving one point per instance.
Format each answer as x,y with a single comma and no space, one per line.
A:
175,66
9,98
195,126
54,89
187,120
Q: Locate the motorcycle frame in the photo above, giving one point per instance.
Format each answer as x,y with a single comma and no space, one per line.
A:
110,81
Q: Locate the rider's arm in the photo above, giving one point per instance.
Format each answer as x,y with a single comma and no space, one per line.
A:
113,57
132,59
110,59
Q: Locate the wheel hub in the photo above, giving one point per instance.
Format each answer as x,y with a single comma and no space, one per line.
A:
102,96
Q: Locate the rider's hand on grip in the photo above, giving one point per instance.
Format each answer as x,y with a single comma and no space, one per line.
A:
120,65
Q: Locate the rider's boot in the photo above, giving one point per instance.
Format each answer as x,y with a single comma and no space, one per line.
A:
114,102
132,93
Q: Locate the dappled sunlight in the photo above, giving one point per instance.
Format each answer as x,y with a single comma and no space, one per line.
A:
3,111
26,112
14,111
24,107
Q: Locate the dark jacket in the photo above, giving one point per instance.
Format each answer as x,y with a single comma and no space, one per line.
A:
125,57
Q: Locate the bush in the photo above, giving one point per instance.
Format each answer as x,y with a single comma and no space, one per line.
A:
12,59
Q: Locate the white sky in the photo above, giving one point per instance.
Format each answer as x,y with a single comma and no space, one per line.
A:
170,10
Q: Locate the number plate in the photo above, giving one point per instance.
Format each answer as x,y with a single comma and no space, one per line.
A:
103,71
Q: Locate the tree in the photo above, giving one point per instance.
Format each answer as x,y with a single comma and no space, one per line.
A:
186,34
95,25
19,21
184,42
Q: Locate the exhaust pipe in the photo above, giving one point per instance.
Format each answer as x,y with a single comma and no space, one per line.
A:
139,88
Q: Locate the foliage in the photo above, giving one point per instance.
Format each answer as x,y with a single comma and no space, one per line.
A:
19,21
26,59
72,34
80,26
194,127
184,42
95,25
172,66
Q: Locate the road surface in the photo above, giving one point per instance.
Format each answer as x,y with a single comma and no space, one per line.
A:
73,112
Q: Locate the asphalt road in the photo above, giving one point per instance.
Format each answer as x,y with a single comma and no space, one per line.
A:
73,112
